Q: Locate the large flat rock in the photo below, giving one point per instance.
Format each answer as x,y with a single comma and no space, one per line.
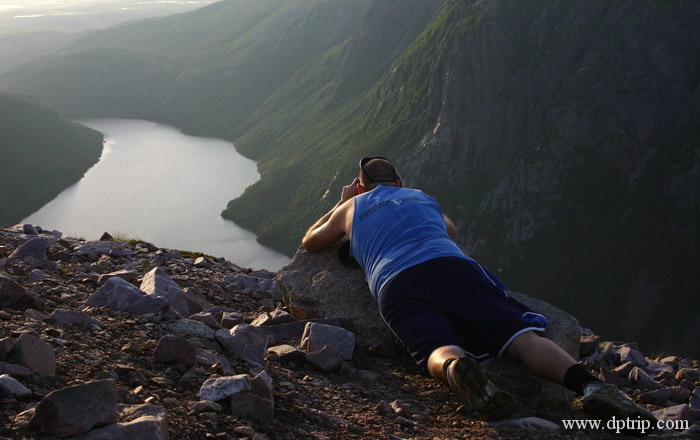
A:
319,286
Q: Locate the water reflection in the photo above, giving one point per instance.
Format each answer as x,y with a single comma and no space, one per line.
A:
157,184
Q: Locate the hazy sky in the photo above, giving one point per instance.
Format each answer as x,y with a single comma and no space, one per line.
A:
23,15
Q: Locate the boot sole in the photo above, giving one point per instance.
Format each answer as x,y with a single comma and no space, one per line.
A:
604,405
495,404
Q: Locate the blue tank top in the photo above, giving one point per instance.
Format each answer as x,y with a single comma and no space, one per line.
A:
396,228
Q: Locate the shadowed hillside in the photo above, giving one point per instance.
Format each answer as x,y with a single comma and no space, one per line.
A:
42,153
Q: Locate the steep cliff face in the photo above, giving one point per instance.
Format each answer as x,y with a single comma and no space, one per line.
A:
565,144
389,28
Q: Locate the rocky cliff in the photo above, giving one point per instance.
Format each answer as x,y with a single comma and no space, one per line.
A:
125,340
575,134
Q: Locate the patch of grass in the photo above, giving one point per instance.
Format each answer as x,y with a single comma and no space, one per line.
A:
192,254
120,236
64,270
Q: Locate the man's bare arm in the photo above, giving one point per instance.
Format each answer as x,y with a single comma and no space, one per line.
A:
449,224
331,227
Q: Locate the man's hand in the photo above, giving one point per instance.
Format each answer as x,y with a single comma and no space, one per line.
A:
334,224
349,191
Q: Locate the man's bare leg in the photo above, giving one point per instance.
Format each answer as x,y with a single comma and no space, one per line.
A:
544,358
465,377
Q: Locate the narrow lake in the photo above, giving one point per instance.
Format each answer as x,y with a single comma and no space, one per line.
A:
154,183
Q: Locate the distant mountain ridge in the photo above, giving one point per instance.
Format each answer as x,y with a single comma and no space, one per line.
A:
204,70
561,136
41,153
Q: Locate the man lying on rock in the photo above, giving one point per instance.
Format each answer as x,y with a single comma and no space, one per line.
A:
448,310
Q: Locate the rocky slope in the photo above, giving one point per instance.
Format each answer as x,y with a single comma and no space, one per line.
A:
94,343
42,153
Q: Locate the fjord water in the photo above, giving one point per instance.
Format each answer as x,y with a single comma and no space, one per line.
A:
154,183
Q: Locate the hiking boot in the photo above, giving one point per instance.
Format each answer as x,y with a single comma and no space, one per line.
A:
466,378
605,401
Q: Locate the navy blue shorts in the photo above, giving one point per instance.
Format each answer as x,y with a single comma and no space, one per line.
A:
454,301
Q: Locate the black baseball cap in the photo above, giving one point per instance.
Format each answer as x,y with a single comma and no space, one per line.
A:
365,160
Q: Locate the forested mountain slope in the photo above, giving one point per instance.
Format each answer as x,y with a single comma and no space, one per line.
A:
41,153
562,136
204,70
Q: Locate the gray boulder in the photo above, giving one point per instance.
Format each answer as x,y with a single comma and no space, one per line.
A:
692,374
262,385
207,318
258,403
76,409
195,301
29,229
245,342
642,380
128,413
143,428
202,262
677,412
14,296
97,248
252,406
37,275
231,319
72,317
219,388
11,388
35,354
128,275
191,328
317,335
694,401
629,354
32,251
6,346
287,353
250,284
275,317
137,422
157,283
318,285
174,350
121,295
327,359
15,370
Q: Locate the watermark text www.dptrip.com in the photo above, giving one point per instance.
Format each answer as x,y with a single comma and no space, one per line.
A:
626,425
